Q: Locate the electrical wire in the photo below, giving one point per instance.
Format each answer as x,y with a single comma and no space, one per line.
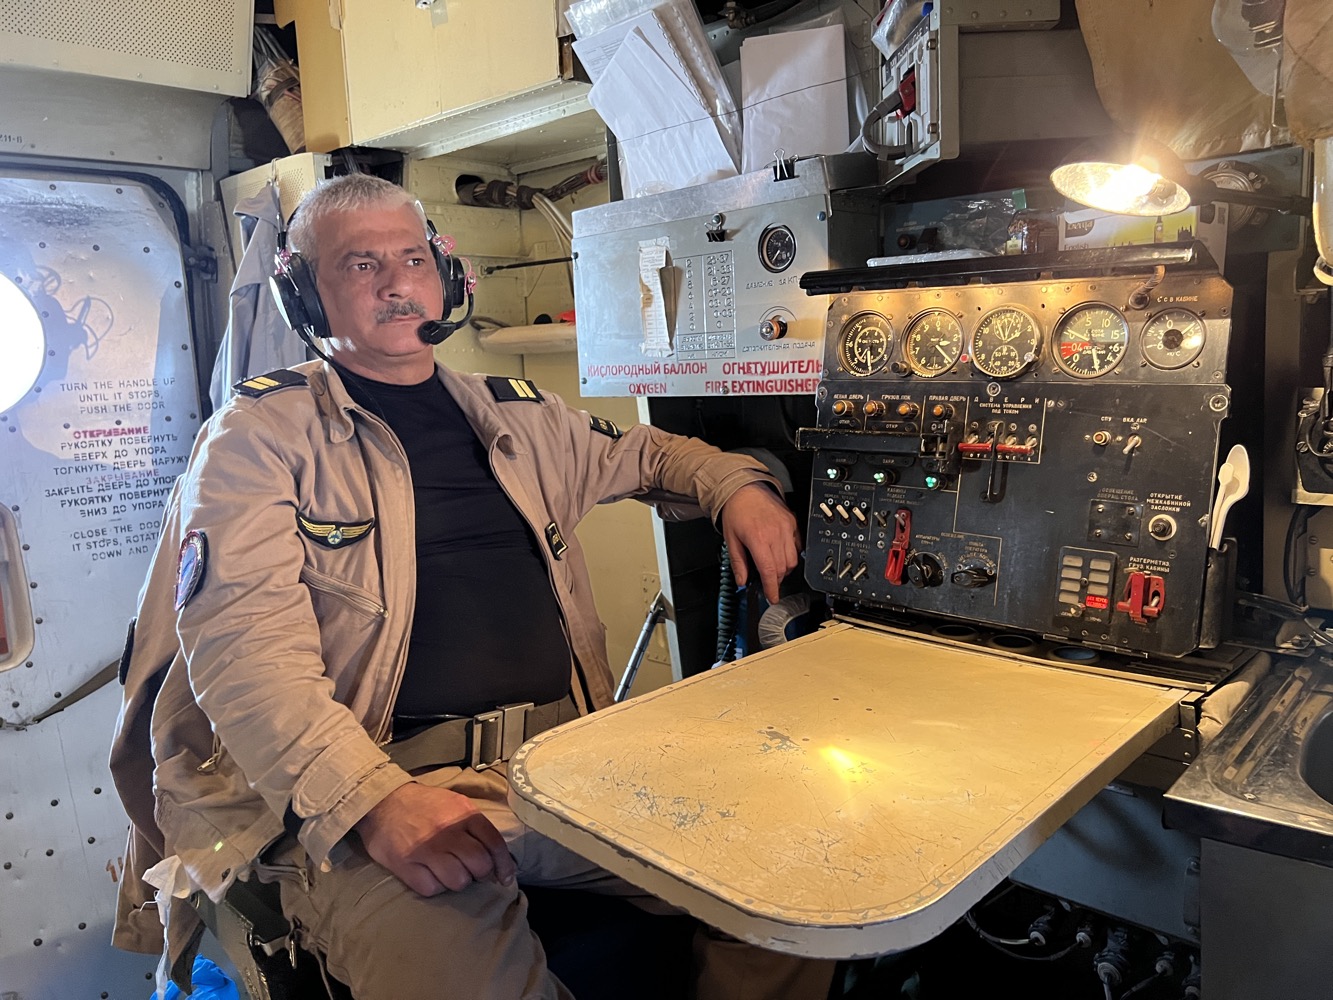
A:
972,922
1106,989
1002,944
1140,986
564,230
1296,527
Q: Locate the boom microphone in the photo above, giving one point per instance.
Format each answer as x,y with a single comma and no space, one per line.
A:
434,332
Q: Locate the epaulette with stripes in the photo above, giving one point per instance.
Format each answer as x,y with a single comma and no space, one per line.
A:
260,385
508,390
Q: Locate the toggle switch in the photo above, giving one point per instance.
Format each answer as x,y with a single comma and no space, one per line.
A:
1144,597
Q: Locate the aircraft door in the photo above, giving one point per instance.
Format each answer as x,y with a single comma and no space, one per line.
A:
100,409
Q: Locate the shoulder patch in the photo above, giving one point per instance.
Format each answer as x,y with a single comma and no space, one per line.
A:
259,385
603,426
331,534
191,566
507,390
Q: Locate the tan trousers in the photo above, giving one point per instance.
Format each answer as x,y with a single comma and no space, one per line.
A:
388,943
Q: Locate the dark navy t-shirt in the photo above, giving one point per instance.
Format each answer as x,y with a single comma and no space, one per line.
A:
487,629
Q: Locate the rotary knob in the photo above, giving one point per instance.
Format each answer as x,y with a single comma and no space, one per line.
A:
924,570
773,328
973,576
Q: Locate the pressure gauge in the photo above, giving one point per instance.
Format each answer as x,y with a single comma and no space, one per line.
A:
933,343
1090,340
1173,339
777,248
1005,342
864,343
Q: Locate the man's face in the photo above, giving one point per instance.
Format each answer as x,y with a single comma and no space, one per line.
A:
378,282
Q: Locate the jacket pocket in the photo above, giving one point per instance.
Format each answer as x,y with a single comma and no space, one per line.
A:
347,594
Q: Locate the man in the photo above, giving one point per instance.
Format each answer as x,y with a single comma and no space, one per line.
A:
358,552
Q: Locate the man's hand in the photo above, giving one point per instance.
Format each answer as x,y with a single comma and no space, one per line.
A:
434,840
757,524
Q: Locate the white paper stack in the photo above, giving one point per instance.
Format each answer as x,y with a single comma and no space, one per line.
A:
794,95
659,88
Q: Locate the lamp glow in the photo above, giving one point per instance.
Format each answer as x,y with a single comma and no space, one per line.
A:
22,344
1121,188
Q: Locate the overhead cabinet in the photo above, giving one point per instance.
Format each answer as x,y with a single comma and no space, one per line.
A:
429,79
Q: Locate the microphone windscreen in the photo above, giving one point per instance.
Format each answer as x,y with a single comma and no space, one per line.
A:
433,331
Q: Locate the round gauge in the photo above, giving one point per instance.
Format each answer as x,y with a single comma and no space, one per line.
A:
1172,339
864,343
777,248
1090,340
1006,341
933,343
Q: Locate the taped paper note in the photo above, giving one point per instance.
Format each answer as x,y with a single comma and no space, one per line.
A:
656,334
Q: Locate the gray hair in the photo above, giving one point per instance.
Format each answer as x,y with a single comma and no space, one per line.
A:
342,194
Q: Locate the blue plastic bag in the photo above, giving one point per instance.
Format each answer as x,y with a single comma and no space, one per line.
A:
210,983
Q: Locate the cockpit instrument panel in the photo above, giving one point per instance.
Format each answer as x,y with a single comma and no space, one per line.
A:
1034,452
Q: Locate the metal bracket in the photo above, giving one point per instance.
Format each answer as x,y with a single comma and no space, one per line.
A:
201,260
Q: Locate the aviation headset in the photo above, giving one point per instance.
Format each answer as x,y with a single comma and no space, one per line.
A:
294,289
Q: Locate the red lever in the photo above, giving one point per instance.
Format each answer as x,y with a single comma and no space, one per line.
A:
907,94
902,536
1144,597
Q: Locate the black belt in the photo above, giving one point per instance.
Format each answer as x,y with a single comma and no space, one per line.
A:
479,741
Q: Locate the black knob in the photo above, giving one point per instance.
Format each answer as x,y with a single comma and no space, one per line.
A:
924,570
973,576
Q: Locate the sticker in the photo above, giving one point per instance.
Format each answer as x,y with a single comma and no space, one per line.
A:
190,568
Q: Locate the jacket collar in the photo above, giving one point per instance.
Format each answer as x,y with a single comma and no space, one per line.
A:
480,410
337,406
331,398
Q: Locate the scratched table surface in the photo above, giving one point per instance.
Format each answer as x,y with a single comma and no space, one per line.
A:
851,793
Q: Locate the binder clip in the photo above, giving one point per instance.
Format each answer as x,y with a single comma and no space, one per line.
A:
784,167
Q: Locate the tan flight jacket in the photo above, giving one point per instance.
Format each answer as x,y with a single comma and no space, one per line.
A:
272,689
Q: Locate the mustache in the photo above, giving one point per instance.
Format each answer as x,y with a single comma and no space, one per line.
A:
405,308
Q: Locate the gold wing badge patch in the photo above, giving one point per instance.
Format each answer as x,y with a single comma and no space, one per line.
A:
331,534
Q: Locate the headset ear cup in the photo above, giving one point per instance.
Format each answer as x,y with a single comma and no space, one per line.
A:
452,276
304,295
289,301
456,286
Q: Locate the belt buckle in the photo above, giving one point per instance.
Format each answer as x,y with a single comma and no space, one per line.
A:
497,734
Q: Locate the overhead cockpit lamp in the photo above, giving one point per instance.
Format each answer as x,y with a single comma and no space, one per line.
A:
1133,176
22,344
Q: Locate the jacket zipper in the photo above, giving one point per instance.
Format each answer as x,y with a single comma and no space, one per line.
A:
383,734
547,558
325,585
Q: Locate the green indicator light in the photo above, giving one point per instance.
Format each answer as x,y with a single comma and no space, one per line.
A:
932,482
880,478
831,473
